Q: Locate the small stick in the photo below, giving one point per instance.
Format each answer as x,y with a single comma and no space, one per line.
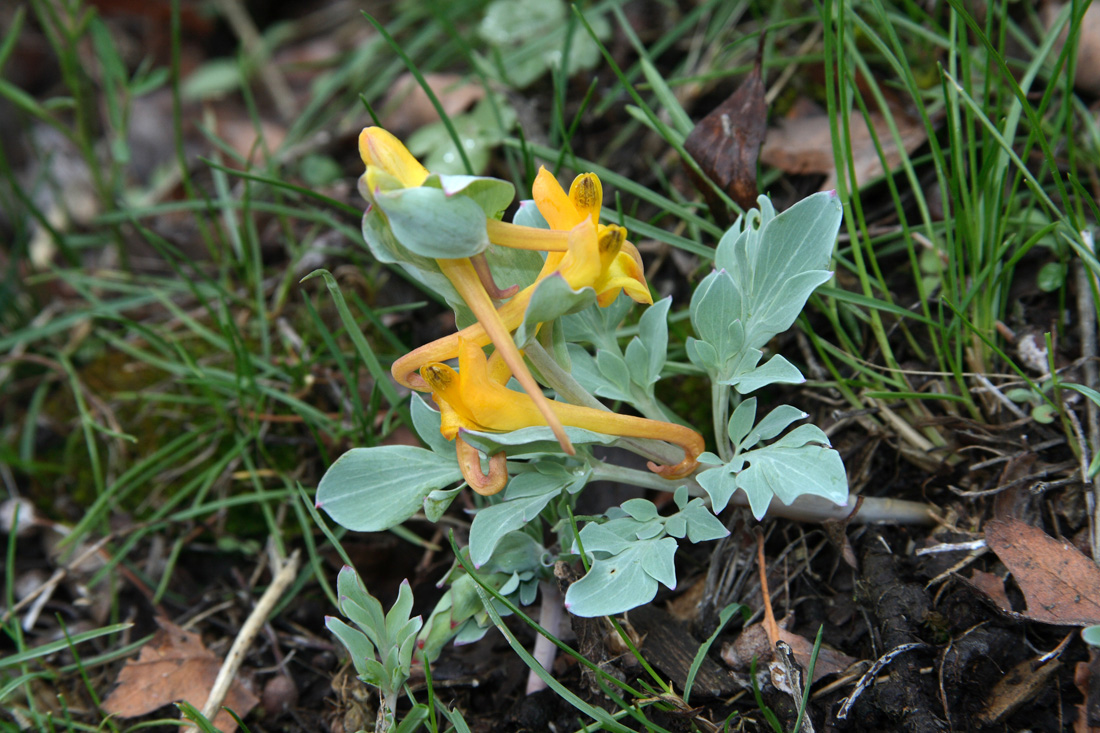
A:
770,625
252,626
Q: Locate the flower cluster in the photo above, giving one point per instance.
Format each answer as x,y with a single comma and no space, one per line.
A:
440,228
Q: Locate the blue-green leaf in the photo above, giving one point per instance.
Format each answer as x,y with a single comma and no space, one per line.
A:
624,581
552,299
527,495
429,223
774,423
747,377
372,489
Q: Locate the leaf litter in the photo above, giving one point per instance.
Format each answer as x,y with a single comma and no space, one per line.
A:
175,666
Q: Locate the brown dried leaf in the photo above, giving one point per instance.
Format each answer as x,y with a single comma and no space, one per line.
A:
805,146
1061,585
174,665
829,660
726,143
992,587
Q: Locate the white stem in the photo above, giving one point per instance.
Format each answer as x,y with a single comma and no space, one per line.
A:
550,615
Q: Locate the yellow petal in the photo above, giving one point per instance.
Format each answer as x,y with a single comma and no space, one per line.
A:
492,406
379,148
623,274
465,280
586,193
469,460
555,206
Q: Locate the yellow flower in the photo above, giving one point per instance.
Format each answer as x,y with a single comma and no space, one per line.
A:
597,256
391,166
475,398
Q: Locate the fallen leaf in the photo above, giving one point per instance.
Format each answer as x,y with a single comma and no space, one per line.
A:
804,146
173,666
992,587
753,642
1060,584
829,660
726,144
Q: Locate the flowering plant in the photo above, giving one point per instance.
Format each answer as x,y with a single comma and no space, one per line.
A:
569,279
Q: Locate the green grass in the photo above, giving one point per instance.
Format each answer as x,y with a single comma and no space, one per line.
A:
201,398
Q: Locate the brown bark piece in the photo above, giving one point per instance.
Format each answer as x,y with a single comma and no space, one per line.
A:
671,648
1061,585
173,666
1022,683
726,143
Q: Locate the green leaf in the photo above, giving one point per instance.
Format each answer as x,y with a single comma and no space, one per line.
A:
372,489
1051,277
640,509
653,335
613,368
552,299
319,170
720,484
1091,635
723,618
437,502
767,266
426,422
702,525
789,471
588,374
774,423
532,440
212,79
741,422
528,215
624,581
359,647
527,495
430,223
492,195
747,377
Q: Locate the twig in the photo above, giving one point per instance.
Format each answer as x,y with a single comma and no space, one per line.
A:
770,626
1086,310
252,626
869,676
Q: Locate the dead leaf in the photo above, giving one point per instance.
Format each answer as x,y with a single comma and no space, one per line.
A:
992,587
726,144
804,146
1061,585
1022,683
173,666
829,660
407,107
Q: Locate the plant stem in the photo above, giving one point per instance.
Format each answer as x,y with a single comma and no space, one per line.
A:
720,409
806,508
550,620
